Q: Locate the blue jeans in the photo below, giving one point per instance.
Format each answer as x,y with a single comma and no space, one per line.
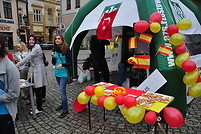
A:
62,82
122,73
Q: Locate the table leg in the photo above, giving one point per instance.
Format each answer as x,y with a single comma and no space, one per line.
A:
104,114
89,115
32,102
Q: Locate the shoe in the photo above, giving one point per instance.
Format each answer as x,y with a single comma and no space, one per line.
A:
63,114
43,99
59,108
37,111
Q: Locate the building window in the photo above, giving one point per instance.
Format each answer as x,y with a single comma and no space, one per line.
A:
77,3
68,4
7,10
20,18
59,18
37,15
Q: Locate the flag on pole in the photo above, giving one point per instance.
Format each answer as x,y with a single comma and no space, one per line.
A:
164,50
132,42
145,38
143,61
104,30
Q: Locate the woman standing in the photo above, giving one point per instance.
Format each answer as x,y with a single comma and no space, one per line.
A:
61,59
22,52
37,71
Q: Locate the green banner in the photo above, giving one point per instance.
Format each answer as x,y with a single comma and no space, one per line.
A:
79,17
165,64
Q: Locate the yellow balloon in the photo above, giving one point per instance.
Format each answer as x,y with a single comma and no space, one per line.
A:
184,24
181,58
191,77
109,103
155,27
135,114
83,98
99,91
94,99
195,90
124,110
176,39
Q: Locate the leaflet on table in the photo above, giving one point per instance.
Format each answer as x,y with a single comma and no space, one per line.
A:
104,84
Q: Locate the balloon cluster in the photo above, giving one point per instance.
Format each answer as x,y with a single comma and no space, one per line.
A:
129,108
154,24
192,76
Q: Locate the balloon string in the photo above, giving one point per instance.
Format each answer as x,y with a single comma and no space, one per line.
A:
161,128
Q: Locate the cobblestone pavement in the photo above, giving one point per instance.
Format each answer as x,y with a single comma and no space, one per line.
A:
77,123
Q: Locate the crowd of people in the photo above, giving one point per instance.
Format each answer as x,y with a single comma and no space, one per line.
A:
29,62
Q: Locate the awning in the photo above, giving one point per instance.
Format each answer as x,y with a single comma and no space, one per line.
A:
126,15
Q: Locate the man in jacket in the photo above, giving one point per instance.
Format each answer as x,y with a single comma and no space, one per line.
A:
9,91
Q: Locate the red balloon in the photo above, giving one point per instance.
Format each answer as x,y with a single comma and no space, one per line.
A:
130,101
173,117
155,17
180,49
188,66
172,29
100,101
199,79
150,117
141,26
119,99
89,90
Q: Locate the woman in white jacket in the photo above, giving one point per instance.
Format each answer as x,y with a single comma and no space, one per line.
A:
37,72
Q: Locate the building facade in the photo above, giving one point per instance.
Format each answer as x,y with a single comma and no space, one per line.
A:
44,18
9,22
69,9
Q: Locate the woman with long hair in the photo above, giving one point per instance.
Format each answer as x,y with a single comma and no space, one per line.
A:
22,52
61,59
37,72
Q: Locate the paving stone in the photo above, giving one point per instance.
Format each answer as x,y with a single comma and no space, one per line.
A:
77,123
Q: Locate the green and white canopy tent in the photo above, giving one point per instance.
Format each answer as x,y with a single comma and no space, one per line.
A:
129,12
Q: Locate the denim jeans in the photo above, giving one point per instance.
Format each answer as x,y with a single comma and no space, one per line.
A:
62,82
121,74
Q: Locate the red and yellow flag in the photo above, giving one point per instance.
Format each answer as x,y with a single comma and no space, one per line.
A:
143,61
145,38
164,50
132,42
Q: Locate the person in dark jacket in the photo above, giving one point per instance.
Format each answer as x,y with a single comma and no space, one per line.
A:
97,47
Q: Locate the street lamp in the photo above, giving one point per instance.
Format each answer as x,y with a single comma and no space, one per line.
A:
25,18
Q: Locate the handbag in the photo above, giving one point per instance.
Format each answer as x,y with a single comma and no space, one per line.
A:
69,78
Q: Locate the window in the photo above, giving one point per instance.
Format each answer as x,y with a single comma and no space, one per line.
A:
37,15
20,18
59,18
7,10
68,4
77,3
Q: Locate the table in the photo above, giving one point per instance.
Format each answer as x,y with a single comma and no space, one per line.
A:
23,86
159,101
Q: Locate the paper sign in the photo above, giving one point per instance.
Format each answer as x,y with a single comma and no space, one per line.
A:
153,82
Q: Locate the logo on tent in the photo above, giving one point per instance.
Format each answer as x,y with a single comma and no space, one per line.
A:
111,8
179,12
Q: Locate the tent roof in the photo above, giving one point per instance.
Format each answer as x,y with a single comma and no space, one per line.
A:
126,16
